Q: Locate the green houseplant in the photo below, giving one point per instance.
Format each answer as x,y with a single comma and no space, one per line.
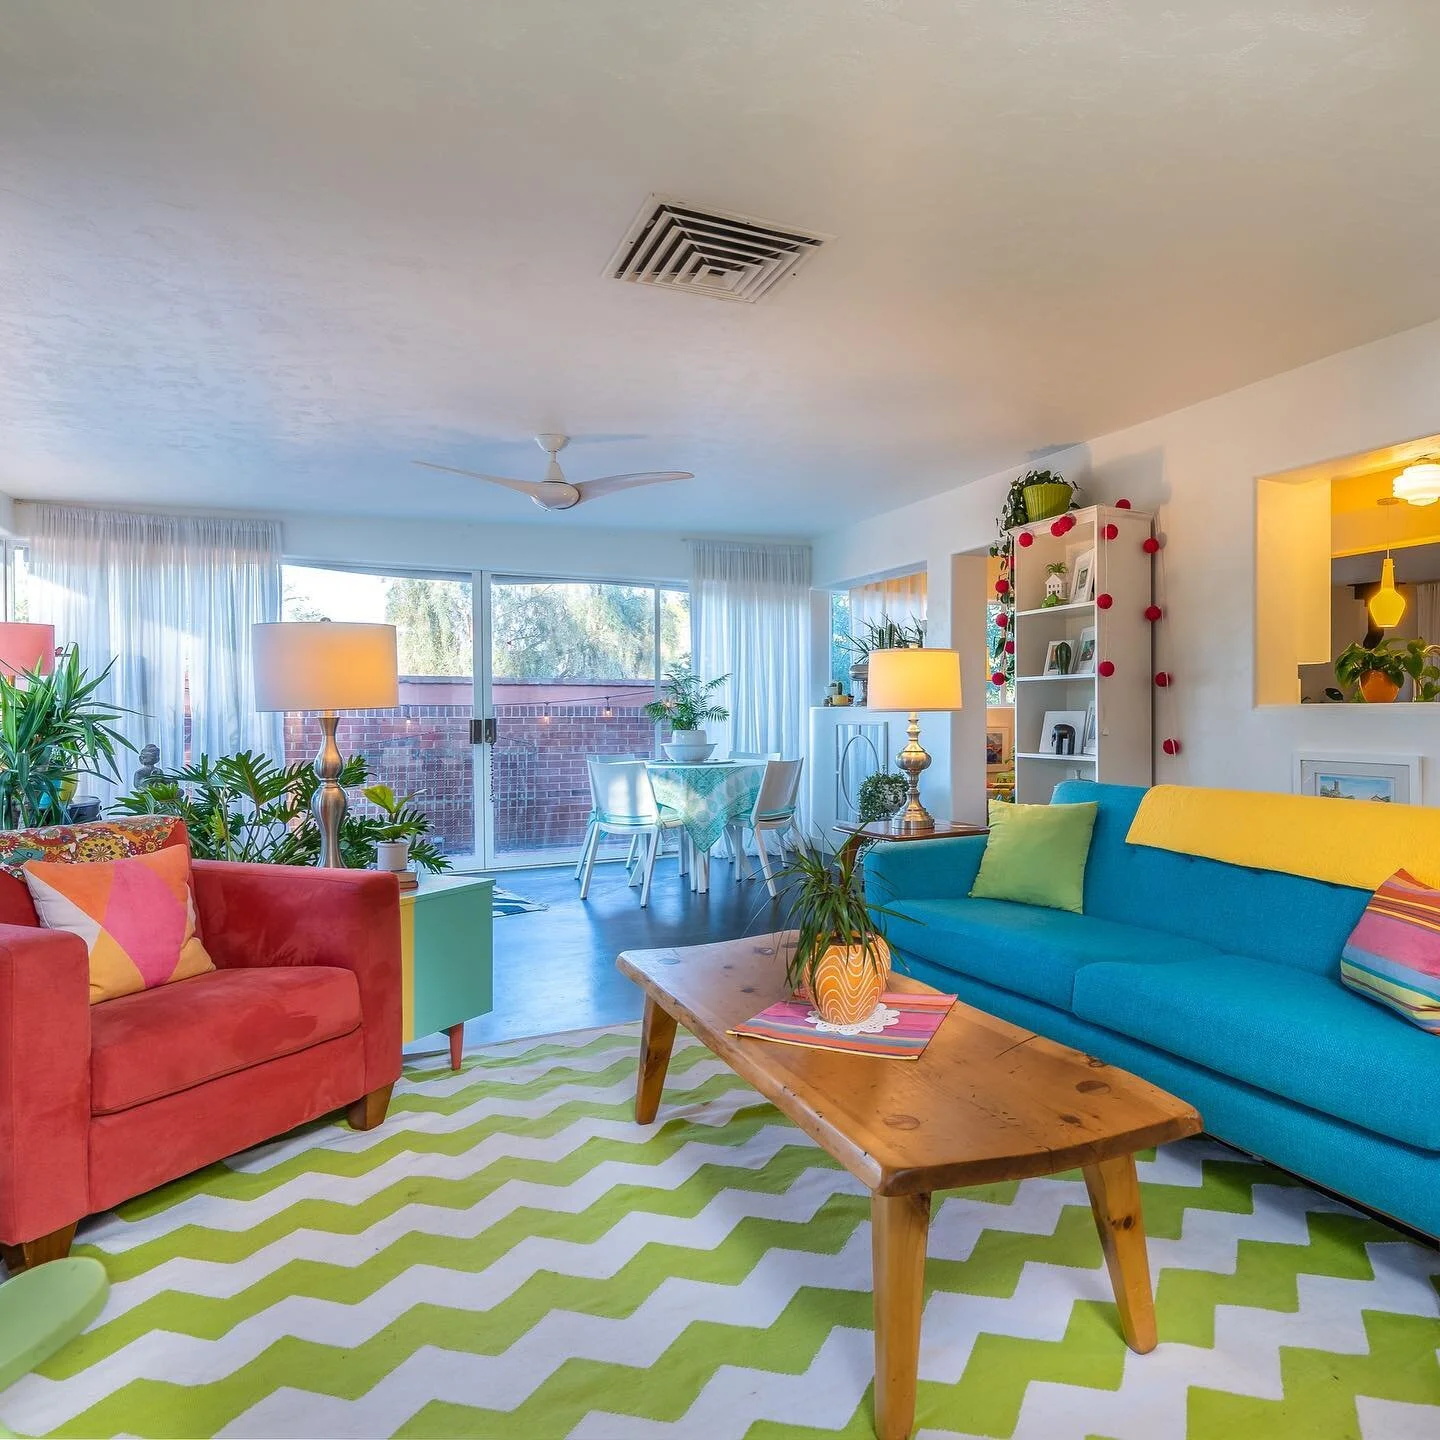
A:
245,807
838,955
881,634
1379,671
881,795
687,705
399,823
52,728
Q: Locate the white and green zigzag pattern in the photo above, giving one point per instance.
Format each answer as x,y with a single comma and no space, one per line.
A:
510,1255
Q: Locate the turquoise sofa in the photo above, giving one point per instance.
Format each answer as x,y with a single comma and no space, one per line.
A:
1218,983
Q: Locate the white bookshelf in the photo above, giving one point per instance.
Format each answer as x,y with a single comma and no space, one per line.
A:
1124,702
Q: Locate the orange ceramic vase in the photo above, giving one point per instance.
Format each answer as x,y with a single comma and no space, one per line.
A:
1378,689
847,984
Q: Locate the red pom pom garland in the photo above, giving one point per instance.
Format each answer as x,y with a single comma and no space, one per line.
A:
1163,679
997,677
1111,531
1122,505
1150,545
1002,586
1153,613
1002,619
1106,668
1058,528
1104,601
1026,539
1171,747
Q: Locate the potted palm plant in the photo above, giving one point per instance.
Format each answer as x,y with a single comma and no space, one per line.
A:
839,957
52,728
687,705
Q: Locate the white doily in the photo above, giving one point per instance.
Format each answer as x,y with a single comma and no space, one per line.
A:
882,1017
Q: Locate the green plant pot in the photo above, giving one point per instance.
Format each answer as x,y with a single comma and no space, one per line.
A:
1044,502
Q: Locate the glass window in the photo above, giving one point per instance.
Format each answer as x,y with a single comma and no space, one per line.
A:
842,656
423,749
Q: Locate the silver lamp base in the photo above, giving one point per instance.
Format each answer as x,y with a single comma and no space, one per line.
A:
914,760
330,803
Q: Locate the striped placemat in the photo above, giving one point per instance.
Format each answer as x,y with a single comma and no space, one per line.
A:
909,1022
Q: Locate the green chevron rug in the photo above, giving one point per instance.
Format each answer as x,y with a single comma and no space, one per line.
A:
510,1256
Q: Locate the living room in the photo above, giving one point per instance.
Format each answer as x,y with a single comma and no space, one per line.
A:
857,560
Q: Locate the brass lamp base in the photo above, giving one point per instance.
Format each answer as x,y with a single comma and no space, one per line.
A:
914,759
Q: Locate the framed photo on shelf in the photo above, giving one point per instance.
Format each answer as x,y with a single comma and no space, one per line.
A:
1085,655
1388,779
1057,658
1063,732
1092,735
1082,583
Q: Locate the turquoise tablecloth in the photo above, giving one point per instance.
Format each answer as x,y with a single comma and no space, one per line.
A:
707,797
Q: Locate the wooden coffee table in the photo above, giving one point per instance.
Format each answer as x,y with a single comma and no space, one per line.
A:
986,1101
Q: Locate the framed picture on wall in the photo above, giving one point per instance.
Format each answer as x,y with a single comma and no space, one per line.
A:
1377,779
999,738
1085,652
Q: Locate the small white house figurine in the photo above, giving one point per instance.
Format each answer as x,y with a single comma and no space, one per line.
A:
1055,584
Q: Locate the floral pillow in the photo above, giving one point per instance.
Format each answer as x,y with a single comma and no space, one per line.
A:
96,840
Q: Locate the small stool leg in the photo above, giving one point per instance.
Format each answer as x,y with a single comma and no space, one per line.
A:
457,1044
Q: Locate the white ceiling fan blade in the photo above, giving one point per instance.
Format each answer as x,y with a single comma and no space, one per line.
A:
609,484
531,488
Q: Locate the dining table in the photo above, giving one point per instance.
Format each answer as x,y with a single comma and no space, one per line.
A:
710,798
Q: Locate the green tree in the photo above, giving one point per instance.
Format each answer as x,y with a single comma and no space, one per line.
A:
568,631
434,624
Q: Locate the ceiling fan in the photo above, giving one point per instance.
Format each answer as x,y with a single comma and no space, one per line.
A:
555,492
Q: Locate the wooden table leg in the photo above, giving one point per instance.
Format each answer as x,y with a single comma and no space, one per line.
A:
899,1228
657,1039
1115,1201
457,1044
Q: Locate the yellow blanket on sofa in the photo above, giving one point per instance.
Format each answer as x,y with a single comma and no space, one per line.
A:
1347,842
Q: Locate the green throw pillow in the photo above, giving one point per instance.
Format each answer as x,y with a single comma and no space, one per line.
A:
1036,855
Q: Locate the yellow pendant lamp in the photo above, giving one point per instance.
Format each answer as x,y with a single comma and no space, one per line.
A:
1387,604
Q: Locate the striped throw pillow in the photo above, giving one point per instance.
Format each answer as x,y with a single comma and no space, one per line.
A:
1393,954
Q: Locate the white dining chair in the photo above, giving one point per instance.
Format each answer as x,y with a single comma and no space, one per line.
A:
590,836
772,814
625,805
728,848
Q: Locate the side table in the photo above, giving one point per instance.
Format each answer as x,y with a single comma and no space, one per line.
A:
446,956
889,831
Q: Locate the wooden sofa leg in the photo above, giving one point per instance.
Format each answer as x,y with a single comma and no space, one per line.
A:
369,1110
54,1246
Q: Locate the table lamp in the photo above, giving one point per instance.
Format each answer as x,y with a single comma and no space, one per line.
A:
914,680
325,666
26,648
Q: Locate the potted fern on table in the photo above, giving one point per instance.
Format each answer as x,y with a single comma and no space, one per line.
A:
687,705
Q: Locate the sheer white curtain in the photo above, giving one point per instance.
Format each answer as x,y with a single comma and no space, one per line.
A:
901,597
1427,612
750,619
171,599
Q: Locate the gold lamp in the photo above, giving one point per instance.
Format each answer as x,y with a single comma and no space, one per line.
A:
1387,604
912,681
327,666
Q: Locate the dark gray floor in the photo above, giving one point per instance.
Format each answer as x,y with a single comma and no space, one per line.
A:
555,968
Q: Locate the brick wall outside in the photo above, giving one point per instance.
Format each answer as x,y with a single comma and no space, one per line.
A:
539,786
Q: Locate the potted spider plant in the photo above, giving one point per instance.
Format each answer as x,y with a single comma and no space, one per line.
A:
838,956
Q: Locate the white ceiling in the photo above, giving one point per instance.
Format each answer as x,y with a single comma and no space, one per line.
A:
261,255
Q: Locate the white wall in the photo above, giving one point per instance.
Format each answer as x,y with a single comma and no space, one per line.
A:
1198,469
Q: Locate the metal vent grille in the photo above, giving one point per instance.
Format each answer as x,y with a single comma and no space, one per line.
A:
709,252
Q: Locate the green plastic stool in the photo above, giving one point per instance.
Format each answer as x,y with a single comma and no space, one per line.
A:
45,1308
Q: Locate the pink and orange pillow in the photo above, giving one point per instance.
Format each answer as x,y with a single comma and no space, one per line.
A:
136,917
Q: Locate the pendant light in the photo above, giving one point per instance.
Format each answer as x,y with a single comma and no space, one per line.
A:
1418,484
1387,604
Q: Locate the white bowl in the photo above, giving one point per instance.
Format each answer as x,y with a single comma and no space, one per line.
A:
687,753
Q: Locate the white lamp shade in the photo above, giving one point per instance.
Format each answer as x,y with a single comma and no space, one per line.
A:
913,680
1419,483
26,647
325,665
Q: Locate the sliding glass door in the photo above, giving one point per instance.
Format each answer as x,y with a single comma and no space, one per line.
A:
572,666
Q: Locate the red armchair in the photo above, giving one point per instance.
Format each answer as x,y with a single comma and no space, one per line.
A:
98,1103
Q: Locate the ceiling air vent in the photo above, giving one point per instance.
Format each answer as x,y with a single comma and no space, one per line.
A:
709,252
